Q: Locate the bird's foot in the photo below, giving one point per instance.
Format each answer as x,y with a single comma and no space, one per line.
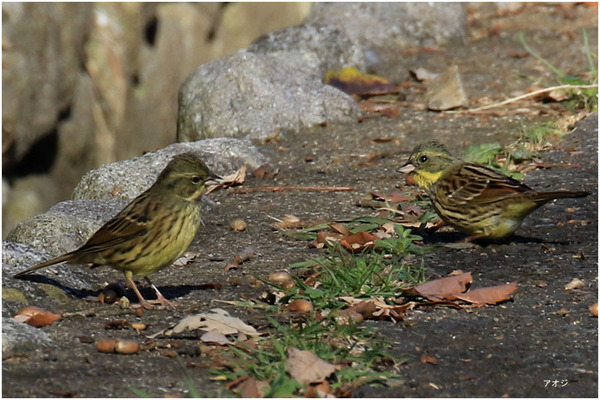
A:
146,305
164,303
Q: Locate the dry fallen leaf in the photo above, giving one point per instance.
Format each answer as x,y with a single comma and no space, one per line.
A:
488,295
594,309
325,237
306,367
340,228
381,309
214,336
237,178
218,320
288,222
443,288
36,317
358,241
576,283
428,359
320,390
253,388
352,81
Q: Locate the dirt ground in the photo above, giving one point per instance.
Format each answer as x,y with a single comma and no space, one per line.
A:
520,348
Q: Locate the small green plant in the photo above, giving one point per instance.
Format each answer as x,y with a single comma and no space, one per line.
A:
585,98
506,159
351,344
355,348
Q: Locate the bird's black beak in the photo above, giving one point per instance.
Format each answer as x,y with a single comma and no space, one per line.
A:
213,177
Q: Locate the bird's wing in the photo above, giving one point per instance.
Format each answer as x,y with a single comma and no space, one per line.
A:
475,183
129,223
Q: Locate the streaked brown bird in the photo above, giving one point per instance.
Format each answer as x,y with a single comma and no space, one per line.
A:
476,200
150,233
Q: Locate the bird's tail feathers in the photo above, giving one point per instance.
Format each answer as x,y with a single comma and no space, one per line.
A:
561,194
57,260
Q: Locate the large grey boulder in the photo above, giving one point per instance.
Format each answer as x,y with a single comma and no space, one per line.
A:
127,179
256,96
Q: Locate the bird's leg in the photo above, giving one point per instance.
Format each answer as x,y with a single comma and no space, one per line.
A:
143,303
469,239
159,297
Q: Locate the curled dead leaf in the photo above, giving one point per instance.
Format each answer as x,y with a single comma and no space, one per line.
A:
488,295
325,237
288,222
340,228
36,317
306,367
352,81
443,288
428,359
576,283
237,178
358,241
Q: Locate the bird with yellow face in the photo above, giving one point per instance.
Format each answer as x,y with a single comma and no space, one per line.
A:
150,233
476,200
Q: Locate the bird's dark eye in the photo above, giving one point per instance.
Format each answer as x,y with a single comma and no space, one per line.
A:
196,179
423,158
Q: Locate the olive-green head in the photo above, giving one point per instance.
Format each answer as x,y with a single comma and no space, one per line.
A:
185,176
427,163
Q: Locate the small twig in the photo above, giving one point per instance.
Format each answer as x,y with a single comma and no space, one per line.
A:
524,96
282,188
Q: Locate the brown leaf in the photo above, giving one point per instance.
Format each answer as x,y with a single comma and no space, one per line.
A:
428,359
36,317
576,283
318,391
289,222
594,309
385,109
306,367
340,228
325,237
358,312
253,388
259,173
237,178
442,289
488,295
352,81
358,241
